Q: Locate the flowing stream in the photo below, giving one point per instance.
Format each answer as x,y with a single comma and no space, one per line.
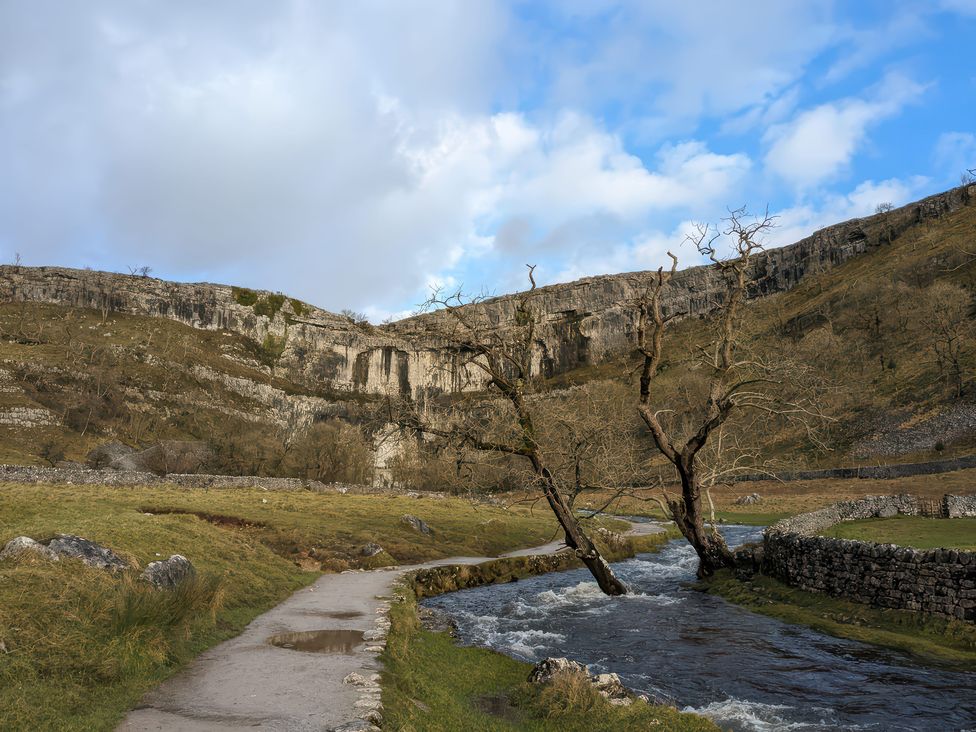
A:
744,670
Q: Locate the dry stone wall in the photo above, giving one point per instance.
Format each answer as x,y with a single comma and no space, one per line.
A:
937,581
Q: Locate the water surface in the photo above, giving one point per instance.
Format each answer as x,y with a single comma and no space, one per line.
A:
744,670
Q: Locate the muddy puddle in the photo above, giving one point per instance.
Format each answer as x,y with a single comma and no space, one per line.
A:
336,614
319,641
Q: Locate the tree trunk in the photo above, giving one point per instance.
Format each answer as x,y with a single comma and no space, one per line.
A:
579,542
713,552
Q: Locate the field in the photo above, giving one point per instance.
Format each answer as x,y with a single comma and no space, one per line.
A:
79,646
914,531
786,498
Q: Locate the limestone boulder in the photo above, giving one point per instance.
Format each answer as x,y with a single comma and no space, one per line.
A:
25,545
418,524
168,573
543,672
92,554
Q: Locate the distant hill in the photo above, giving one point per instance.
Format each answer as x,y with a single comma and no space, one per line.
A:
87,357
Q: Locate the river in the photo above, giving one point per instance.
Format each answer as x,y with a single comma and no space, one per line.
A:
743,670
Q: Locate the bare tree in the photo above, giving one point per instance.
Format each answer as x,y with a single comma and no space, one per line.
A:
736,382
503,358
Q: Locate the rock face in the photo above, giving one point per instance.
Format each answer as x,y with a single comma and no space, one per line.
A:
68,545
583,322
168,573
25,545
417,524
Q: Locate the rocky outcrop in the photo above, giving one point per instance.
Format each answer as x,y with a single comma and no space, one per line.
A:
583,322
92,554
66,546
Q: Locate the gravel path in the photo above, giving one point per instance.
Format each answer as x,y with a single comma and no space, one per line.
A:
249,683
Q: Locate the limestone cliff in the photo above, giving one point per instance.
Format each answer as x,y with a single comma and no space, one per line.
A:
584,322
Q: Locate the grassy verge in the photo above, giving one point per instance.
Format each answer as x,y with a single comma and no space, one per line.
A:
433,685
930,638
914,531
78,646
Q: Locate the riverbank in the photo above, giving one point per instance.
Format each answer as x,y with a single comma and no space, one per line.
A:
929,638
433,684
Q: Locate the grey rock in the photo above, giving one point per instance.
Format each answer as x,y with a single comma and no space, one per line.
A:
371,550
68,545
749,500
543,671
417,523
610,686
25,545
168,573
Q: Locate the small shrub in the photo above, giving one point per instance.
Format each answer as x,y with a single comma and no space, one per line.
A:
52,453
269,305
244,296
939,446
299,308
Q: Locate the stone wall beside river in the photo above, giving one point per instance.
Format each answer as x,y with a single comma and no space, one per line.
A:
937,581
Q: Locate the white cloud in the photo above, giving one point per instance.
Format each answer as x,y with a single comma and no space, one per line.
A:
819,143
955,153
798,222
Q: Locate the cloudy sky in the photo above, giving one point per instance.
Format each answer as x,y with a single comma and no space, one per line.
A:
353,153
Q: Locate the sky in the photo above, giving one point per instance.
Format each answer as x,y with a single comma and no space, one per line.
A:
355,154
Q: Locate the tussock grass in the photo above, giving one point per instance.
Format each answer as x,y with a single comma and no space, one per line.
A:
933,639
83,645
433,685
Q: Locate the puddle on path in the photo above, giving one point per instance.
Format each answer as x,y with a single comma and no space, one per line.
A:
334,614
319,641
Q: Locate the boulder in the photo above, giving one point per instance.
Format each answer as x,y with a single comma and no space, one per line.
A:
167,573
610,686
371,550
749,500
26,545
543,671
68,545
416,523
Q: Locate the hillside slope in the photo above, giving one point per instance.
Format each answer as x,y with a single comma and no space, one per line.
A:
89,356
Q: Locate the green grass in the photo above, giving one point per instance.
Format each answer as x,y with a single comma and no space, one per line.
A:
84,645
913,531
930,638
432,685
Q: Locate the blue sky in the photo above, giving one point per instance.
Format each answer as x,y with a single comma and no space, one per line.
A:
353,154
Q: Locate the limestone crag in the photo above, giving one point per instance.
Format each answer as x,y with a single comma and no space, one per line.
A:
583,322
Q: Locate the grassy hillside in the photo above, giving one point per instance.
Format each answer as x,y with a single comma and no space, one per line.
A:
79,646
889,337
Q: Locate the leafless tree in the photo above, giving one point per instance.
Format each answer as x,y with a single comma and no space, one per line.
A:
736,383
503,359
